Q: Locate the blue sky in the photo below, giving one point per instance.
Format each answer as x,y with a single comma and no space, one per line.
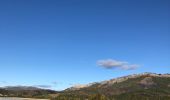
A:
60,43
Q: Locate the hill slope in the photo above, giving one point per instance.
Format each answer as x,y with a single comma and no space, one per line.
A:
146,86
25,91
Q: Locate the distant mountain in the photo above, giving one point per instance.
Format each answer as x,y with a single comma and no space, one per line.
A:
25,91
19,88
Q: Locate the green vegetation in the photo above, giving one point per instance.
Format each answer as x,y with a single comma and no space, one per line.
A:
26,93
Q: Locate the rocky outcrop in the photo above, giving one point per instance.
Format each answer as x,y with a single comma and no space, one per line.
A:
147,82
169,85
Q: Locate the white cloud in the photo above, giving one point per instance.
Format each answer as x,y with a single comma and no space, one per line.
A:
130,67
3,82
43,86
110,63
55,83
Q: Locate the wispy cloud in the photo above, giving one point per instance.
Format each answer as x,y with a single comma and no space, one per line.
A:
130,67
111,63
43,86
54,83
3,82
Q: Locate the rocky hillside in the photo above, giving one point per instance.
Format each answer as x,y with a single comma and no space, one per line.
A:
145,86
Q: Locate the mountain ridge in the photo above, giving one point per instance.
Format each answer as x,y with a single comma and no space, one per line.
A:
118,79
144,86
